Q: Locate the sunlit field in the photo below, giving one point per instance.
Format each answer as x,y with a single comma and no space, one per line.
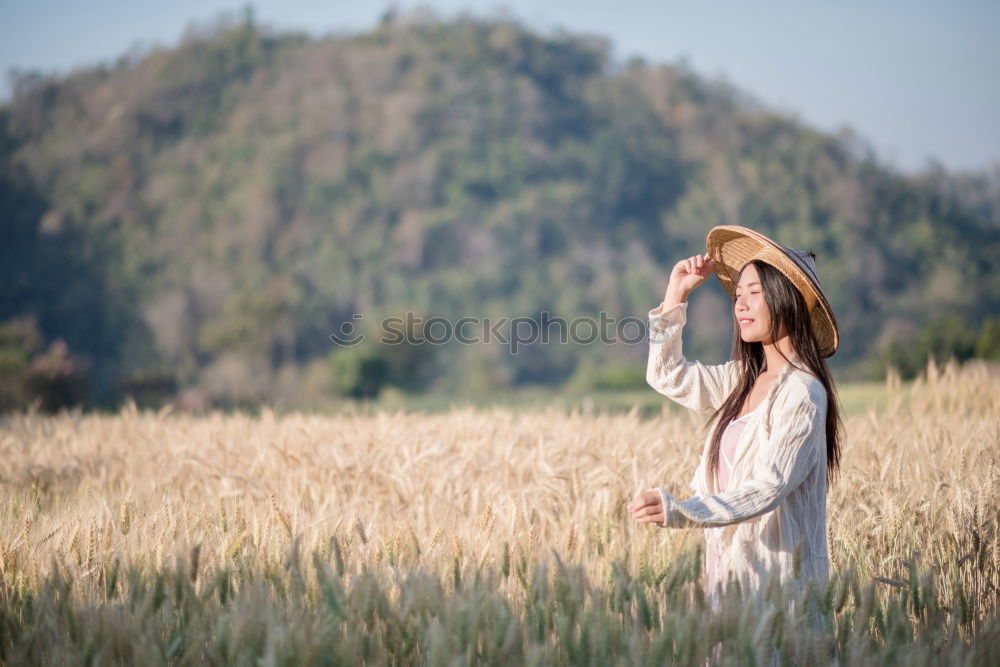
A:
478,535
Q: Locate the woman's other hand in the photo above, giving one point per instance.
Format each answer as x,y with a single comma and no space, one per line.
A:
647,507
686,276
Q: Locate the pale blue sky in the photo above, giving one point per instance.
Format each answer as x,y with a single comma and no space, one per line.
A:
918,79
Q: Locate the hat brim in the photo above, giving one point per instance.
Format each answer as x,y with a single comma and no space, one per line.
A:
731,247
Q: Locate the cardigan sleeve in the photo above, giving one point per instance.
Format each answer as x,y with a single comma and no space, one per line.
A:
694,385
783,464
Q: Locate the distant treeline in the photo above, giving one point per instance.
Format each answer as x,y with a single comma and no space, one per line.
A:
197,221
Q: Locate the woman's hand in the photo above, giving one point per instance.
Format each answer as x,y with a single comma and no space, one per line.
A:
687,275
647,507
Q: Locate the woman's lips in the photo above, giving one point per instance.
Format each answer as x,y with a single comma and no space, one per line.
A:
746,323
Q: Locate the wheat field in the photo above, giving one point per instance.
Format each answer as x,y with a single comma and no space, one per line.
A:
476,536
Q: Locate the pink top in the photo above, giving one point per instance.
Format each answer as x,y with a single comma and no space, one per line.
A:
727,450
727,457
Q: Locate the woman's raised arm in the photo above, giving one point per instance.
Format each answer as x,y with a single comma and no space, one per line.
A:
694,385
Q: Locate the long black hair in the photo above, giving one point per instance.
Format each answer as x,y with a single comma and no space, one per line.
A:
788,308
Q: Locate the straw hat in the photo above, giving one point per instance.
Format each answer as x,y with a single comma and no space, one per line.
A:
731,247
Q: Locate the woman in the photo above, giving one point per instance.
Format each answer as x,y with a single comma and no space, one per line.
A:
760,487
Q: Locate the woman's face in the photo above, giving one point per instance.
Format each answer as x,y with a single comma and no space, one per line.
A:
752,314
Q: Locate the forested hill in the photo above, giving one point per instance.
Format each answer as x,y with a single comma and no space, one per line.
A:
206,215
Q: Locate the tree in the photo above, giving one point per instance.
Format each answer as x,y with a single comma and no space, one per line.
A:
988,345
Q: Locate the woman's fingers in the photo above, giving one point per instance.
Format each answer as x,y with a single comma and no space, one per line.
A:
653,517
652,513
644,499
691,272
647,507
696,264
645,503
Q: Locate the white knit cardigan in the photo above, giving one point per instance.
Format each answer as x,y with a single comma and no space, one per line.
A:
772,520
